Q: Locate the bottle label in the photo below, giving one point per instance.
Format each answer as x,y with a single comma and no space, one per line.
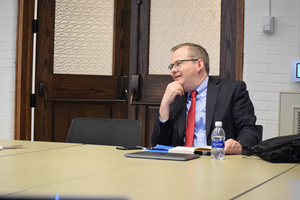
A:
217,144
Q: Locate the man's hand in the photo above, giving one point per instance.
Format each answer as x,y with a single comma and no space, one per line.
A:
173,89
232,147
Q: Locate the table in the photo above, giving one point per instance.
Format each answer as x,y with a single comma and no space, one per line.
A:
75,170
31,146
285,186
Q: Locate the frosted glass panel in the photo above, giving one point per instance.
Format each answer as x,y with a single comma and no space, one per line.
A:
83,40
179,21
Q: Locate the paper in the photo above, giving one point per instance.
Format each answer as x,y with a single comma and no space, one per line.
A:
181,149
14,147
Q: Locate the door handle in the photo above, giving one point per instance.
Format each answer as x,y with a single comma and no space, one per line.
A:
136,94
123,87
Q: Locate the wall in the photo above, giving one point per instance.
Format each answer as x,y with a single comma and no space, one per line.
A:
8,23
268,57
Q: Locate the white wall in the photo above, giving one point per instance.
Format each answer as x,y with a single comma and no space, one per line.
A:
8,24
268,57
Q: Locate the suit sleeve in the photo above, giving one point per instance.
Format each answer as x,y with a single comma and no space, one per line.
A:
244,117
162,133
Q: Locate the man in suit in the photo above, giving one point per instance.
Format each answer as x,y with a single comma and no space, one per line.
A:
217,100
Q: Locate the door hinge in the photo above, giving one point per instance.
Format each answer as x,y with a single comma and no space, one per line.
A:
34,26
32,100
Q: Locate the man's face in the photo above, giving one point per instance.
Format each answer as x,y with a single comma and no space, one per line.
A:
187,73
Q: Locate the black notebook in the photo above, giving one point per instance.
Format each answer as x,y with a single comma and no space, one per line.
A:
162,156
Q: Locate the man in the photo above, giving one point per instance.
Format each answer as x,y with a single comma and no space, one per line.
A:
217,100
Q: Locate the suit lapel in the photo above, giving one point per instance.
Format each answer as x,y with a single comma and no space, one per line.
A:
182,116
211,99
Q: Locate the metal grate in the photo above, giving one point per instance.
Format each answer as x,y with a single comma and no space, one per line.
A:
175,22
83,41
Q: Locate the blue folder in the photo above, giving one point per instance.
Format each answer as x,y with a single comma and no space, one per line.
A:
160,148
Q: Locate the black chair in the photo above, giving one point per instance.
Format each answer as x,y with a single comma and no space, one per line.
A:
260,131
116,132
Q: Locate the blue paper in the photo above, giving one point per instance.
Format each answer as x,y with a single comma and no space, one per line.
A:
160,148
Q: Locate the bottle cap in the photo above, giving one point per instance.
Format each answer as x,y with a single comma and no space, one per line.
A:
218,123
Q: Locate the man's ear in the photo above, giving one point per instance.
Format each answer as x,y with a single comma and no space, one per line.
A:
200,65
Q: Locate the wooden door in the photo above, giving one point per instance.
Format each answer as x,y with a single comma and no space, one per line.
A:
62,97
146,105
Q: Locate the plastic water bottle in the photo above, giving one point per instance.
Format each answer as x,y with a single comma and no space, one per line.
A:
217,141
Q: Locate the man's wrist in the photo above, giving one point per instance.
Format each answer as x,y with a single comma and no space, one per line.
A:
241,143
162,120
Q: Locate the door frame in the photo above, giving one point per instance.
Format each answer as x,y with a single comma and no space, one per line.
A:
23,74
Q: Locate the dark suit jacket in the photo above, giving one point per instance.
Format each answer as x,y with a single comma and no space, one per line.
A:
227,101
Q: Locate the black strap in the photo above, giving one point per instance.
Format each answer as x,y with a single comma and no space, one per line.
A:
249,152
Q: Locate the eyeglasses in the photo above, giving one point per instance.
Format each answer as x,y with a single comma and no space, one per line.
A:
179,63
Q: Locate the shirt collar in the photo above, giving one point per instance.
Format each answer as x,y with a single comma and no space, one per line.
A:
202,87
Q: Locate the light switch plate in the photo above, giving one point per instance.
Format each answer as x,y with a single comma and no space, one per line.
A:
268,24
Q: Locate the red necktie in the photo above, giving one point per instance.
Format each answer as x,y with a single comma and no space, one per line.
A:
190,122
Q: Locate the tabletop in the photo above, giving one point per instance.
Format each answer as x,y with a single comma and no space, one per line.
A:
103,171
31,146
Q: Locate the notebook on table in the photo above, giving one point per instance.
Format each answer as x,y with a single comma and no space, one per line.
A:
162,156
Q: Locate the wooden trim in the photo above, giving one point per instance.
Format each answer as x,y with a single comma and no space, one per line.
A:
232,30
23,70
240,7
43,129
134,50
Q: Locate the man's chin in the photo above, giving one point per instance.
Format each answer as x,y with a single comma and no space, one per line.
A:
178,79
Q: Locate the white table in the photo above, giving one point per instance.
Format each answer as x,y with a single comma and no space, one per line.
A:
102,171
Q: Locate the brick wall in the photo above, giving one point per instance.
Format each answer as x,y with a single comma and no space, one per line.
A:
8,22
268,57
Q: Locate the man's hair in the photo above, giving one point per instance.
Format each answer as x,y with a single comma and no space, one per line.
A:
195,51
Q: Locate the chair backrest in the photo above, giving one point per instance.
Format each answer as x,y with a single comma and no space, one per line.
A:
260,131
117,132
